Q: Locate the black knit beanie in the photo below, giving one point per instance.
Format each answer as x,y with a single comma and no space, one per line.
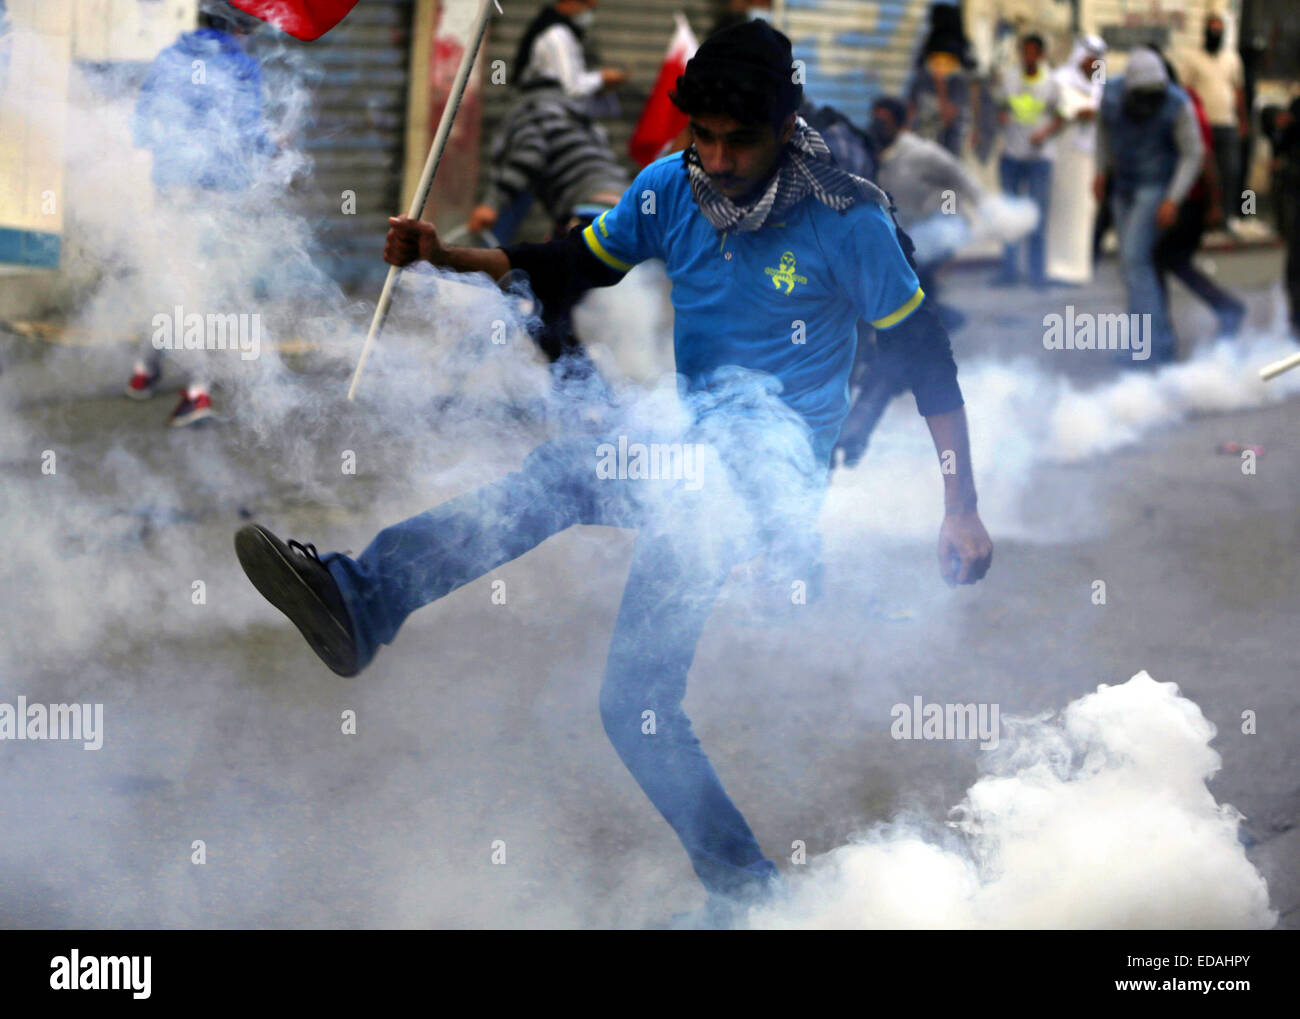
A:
745,71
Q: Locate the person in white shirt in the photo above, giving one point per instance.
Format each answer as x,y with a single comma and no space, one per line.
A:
551,51
1080,82
1216,76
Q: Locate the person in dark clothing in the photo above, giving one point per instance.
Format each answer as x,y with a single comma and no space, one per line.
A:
915,172
756,227
1283,129
852,148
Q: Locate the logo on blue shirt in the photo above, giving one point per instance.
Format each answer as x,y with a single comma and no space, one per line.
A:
786,273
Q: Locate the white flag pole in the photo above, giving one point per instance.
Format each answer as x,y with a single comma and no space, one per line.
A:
1272,371
426,178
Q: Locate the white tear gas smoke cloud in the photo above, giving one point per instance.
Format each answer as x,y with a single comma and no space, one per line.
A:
1021,417
1099,820
219,723
998,219
1003,218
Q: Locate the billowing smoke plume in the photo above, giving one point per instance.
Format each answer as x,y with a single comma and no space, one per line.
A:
1098,819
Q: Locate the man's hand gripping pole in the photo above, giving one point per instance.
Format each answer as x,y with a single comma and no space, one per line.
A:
426,178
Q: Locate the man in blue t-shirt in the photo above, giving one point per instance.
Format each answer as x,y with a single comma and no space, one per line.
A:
774,254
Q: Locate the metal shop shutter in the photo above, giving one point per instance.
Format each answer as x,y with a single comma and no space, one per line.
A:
853,51
355,131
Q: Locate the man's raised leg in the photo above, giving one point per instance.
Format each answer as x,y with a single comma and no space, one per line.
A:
346,608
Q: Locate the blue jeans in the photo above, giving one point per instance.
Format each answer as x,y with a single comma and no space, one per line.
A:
1035,177
681,559
1135,224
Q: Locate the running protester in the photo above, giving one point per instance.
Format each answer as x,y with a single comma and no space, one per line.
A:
774,254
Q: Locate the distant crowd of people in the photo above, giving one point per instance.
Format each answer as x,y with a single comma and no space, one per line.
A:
1152,153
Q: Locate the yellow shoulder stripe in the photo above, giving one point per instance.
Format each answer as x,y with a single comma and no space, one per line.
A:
895,317
598,249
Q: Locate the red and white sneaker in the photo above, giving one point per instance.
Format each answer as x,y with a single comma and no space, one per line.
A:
195,405
143,381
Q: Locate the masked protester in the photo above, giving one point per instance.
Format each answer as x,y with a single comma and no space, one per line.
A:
1151,146
550,51
918,175
1215,73
757,229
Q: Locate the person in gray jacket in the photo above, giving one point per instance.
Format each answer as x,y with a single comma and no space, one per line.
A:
1150,143
932,192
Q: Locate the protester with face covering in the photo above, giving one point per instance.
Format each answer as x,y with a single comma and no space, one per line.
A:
1150,143
1079,82
1215,73
550,51
757,229
918,175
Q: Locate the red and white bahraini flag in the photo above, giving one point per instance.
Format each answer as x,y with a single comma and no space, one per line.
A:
302,19
661,121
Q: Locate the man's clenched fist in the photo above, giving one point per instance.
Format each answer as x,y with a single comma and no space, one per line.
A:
412,240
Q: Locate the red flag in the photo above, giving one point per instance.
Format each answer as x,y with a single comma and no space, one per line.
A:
302,19
661,121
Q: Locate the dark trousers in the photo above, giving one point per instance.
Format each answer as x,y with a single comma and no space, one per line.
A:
1104,221
1173,255
1288,197
1227,162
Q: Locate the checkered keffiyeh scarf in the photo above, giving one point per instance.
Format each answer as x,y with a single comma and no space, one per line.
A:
806,168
